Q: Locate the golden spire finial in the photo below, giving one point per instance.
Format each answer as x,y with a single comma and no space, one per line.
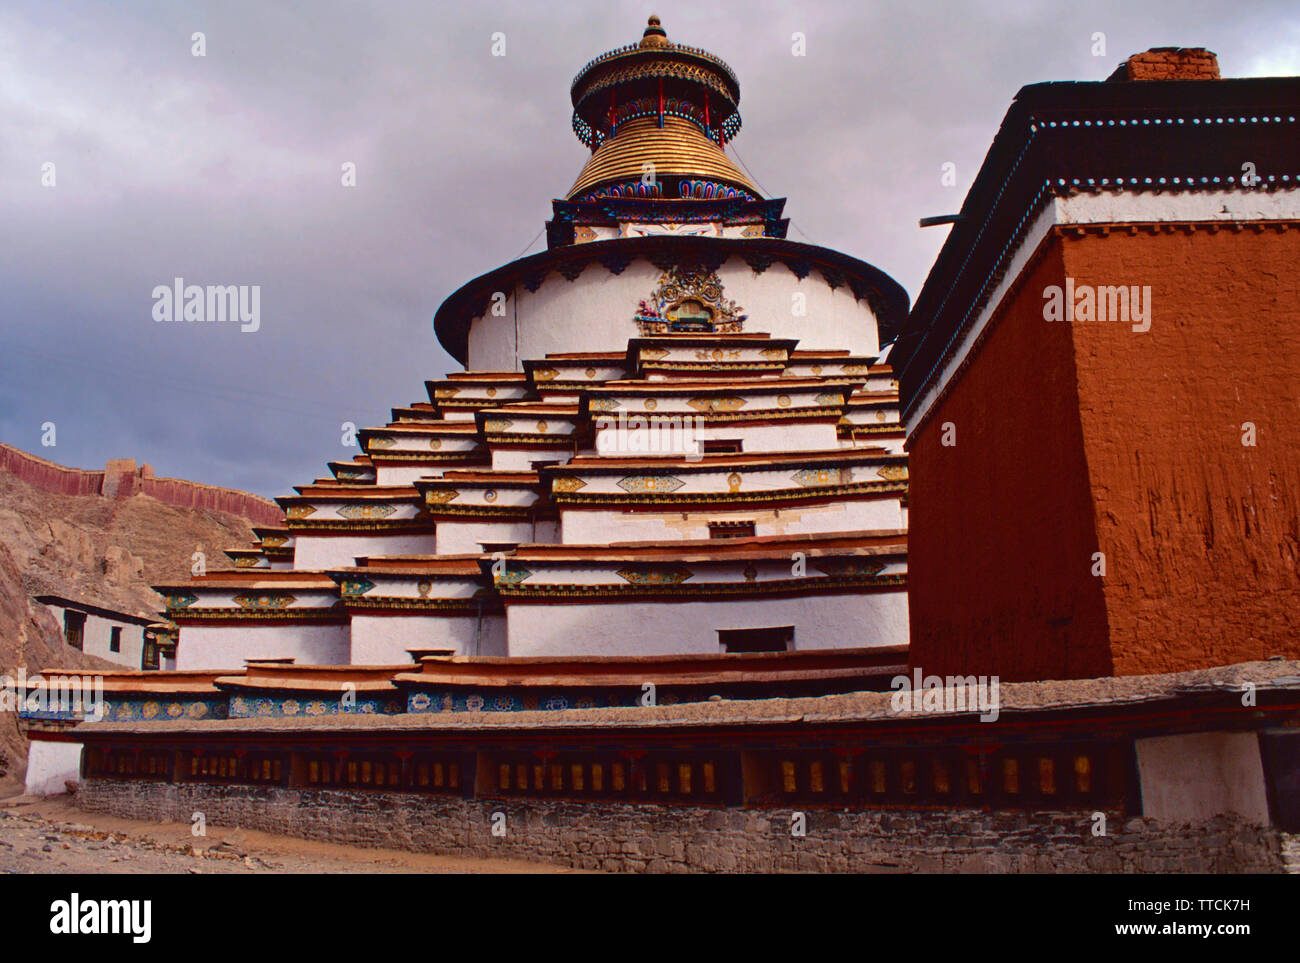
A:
654,35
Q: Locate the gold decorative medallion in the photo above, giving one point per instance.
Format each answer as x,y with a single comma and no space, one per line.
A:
725,404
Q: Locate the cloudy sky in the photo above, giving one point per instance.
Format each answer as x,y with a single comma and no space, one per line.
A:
226,169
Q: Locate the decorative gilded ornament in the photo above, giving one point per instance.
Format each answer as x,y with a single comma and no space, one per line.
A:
264,601
724,404
567,483
489,495
654,574
733,482
545,374
813,477
294,512
849,566
892,472
365,512
440,496
424,588
650,484
651,404
513,575
783,401
689,298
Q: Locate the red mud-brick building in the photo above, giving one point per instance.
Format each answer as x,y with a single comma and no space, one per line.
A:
1160,449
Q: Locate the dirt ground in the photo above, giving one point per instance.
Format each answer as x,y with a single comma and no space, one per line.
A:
51,836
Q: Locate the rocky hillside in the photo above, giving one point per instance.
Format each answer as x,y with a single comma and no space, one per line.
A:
104,550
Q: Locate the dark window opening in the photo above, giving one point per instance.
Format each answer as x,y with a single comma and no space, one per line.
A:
149,656
74,628
721,446
115,639
777,639
730,529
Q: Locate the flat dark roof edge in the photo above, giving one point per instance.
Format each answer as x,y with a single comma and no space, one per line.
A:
99,610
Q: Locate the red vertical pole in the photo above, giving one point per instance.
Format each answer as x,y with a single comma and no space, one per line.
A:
661,102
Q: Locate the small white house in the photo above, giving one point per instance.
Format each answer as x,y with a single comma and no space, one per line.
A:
120,637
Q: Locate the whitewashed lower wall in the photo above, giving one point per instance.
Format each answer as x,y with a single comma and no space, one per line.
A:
672,628
587,526
458,538
1195,776
50,765
386,639
230,646
316,552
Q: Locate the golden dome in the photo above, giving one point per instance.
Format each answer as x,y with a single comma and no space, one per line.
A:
678,149
655,35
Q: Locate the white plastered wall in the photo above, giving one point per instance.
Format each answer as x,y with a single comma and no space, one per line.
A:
601,526
1187,778
684,627
385,639
317,552
464,537
230,646
50,765
97,633
595,313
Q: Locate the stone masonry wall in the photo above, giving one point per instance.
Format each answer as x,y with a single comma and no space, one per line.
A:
646,838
